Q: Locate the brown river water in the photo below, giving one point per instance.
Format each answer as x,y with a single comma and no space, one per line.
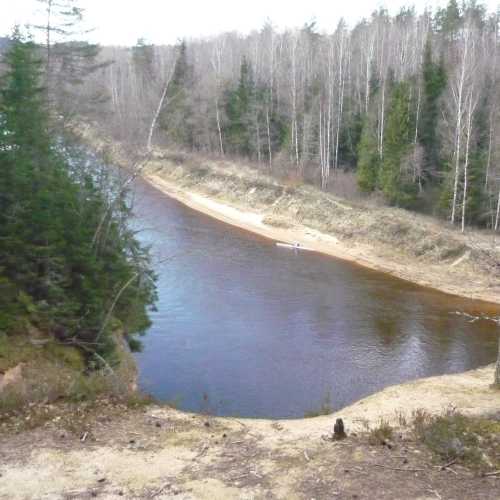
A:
249,329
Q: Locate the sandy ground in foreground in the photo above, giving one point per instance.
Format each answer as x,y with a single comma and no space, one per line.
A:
162,453
440,276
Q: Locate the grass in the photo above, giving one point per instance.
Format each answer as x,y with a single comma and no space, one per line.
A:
52,372
381,434
471,441
18,349
277,221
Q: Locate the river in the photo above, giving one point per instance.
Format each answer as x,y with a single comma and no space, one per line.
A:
244,328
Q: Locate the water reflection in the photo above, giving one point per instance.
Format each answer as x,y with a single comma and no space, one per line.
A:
245,328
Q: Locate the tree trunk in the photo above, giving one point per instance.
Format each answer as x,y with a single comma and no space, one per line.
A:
466,164
219,129
497,367
497,218
269,146
149,143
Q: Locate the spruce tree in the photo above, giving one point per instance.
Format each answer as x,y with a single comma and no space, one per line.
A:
397,188
239,112
177,117
434,82
52,275
368,157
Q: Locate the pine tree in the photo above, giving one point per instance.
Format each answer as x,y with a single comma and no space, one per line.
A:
67,62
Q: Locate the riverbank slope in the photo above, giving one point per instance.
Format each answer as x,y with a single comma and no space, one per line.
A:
158,452
407,245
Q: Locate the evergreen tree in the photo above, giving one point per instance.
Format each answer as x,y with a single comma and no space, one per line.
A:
239,109
368,157
434,82
177,117
67,61
350,139
397,188
53,273
143,59
477,200
448,20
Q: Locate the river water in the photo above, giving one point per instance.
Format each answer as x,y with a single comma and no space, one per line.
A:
246,328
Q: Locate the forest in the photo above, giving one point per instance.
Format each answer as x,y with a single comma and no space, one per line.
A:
406,105
70,266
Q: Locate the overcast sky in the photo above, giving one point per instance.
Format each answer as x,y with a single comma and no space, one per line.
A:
122,22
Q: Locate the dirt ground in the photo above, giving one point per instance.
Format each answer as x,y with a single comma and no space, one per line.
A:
159,452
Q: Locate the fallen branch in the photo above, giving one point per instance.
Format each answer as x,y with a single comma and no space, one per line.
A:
397,468
495,473
160,490
451,462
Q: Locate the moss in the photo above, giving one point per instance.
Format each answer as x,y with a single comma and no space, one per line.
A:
15,350
52,372
70,356
88,387
19,349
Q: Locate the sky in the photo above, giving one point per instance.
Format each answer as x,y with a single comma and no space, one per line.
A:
122,22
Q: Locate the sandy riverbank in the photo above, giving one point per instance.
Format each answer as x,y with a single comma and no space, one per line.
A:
417,248
158,452
446,277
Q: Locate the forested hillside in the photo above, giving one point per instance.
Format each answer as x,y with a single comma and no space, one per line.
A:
409,104
71,270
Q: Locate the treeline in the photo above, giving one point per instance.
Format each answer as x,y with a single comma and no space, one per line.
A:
409,103
70,267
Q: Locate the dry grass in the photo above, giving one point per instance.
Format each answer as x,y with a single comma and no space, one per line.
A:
381,434
51,372
471,441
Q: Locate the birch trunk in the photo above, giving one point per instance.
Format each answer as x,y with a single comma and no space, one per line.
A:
497,217
269,146
458,141
466,163
497,366
340,103
149,143
219,129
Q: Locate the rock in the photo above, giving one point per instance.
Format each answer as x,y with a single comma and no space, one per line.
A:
457,447
14,376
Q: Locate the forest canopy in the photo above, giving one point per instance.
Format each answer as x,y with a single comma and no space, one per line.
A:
406,103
